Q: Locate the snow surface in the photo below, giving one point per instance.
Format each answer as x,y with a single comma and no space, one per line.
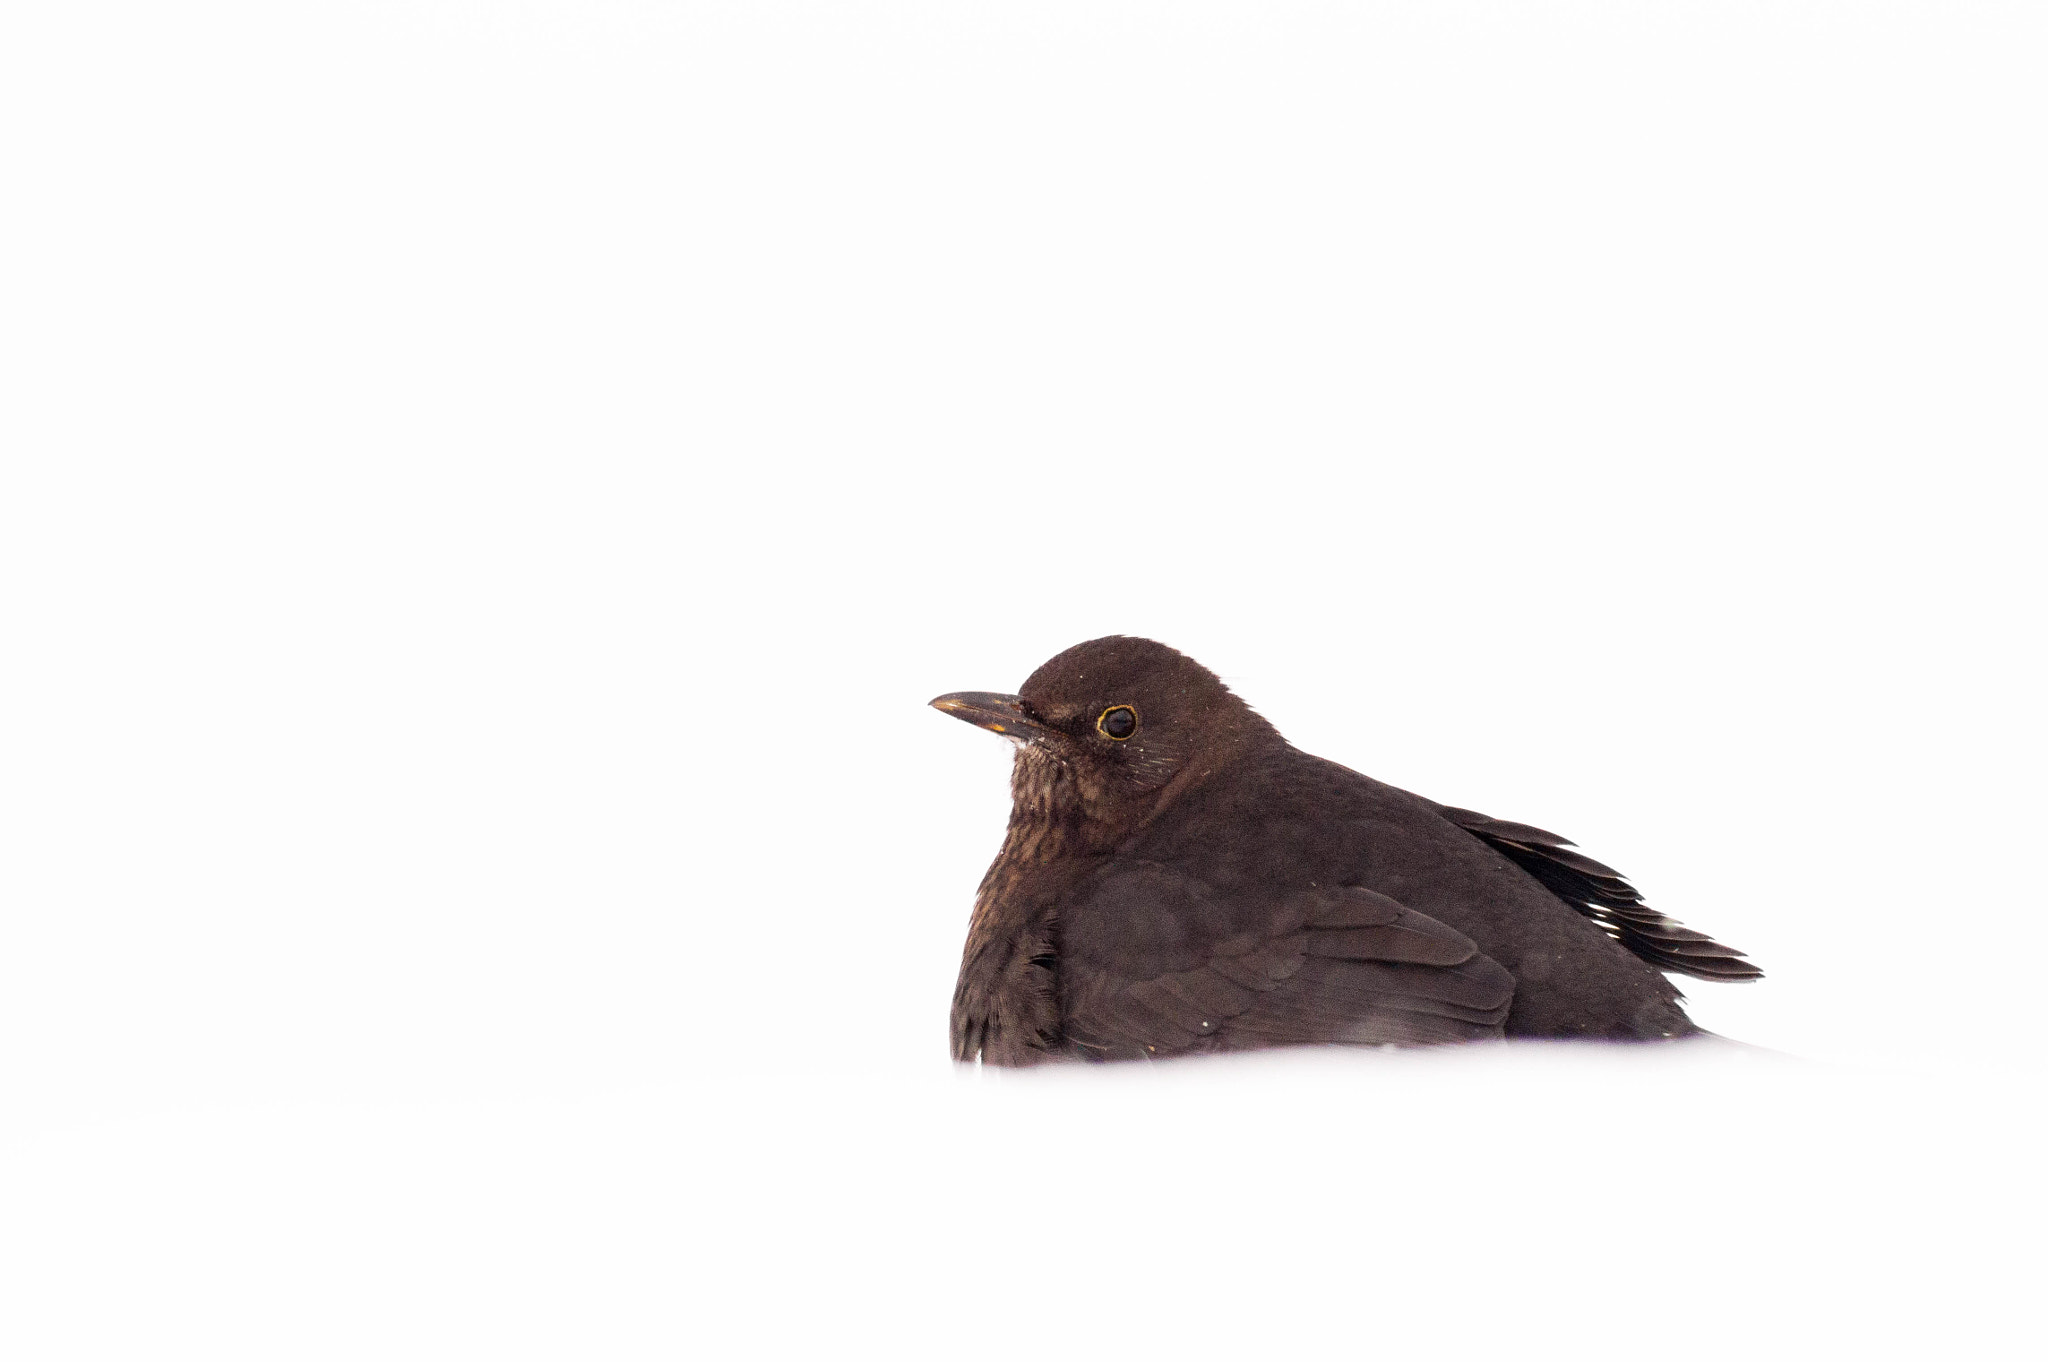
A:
1545,1200
488,491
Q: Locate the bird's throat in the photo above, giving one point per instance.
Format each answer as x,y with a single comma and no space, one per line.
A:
1052,813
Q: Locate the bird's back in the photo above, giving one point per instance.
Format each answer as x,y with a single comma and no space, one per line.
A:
1288,819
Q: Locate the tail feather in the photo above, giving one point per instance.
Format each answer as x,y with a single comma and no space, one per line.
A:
1599,892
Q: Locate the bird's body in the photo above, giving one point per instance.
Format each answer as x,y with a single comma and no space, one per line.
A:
1198,884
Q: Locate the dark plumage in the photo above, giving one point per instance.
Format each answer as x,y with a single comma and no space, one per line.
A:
1177,878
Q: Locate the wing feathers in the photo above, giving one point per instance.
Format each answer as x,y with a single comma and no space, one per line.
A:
1209,993
1262,969
1364,970
1347,906
1417,940
1370,1003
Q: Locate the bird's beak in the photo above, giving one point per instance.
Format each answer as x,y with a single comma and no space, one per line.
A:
1002,714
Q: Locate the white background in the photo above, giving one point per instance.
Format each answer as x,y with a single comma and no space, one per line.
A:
489,489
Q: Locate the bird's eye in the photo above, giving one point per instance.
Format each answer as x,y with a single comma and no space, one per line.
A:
1118,721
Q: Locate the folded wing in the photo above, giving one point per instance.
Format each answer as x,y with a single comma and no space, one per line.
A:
1154,963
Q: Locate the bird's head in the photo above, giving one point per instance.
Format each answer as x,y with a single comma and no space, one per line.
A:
1105,727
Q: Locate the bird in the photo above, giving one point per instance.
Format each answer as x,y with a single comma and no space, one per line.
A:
1178,879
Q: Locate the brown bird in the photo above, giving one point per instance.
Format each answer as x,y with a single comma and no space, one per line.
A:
1178,878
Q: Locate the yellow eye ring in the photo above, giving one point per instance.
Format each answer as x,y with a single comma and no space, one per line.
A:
1117,723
